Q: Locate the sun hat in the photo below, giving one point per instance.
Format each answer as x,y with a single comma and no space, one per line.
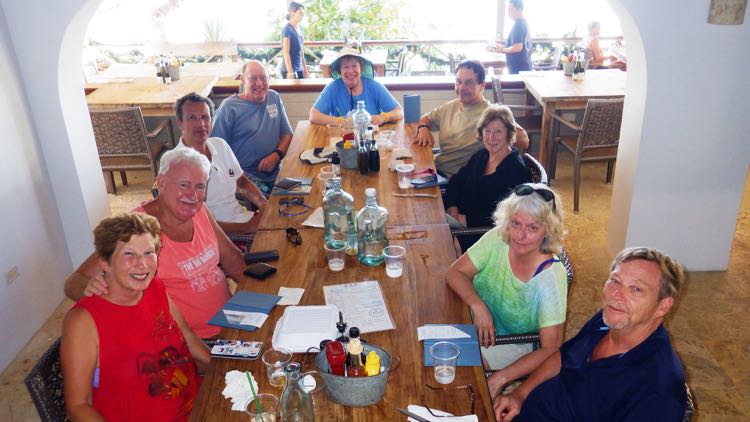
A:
367,68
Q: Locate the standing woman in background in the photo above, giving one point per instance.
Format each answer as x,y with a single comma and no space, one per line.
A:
293,66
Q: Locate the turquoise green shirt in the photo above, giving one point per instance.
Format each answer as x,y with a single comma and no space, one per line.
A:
517,307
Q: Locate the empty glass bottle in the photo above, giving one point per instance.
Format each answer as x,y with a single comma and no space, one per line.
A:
338,216
371,230
295,404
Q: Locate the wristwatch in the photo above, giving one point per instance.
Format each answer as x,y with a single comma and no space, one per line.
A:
280,153
423,125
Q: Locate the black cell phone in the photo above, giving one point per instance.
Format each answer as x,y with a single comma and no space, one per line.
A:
259,270
253,257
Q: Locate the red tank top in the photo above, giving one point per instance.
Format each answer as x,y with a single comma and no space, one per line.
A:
146,371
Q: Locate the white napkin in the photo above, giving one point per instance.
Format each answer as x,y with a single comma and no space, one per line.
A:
238,389
421,411
290,295
315,219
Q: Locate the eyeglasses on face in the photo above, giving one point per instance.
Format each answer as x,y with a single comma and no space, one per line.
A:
546,194
293,235
467,387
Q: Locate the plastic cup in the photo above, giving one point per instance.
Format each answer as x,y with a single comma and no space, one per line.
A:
444,357
394,260
269,406
404,175
336,254
275,360
335,133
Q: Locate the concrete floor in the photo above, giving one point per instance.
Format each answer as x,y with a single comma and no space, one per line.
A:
708,327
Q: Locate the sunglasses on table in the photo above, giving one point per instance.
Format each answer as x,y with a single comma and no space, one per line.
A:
291,207
546,194
466,387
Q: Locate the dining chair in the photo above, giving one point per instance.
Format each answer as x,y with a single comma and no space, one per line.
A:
124,144
45,385
597,139
528,116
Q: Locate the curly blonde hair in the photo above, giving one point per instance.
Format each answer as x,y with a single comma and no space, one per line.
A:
549,214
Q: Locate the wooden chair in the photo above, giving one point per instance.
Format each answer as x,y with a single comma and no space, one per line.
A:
528,116
597,139
45,385
124,144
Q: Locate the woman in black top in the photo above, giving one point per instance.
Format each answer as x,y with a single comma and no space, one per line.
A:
491,174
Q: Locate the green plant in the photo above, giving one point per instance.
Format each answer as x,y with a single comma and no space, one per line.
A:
213,30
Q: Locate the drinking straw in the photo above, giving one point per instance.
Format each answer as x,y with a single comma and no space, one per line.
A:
255,397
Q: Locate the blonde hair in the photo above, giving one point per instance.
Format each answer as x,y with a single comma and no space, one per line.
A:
543,212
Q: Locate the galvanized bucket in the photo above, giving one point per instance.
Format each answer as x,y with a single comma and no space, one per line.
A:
356,391
348,156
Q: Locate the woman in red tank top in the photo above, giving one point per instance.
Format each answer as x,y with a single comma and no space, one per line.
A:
129,355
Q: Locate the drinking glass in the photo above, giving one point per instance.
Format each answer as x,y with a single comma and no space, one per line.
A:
394,260
404,175
275,360
444,357
269,407
336,254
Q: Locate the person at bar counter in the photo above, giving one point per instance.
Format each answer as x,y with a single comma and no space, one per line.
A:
193,245
226,177
129,354
517,47
490,175
456,121
513,282
255,125
621,365
293,65
353,80
594,51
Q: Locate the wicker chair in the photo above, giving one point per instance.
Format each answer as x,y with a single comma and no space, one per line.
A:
597,139
529,117
124,144
45,385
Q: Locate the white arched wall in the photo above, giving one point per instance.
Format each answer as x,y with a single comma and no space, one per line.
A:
684,150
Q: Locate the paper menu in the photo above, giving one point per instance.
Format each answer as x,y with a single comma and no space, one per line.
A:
440,332
362,305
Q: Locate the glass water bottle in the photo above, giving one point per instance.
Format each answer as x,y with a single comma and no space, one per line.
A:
296,404
371,230
338,217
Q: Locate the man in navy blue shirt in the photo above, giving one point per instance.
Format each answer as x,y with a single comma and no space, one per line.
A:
518,44
621,365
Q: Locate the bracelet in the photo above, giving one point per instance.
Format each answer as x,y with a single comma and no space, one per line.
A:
339,120
385,116
280,153
423,125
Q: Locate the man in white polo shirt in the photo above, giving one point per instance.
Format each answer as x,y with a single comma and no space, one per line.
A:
226,177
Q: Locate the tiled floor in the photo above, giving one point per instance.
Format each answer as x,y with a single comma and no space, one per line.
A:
708,328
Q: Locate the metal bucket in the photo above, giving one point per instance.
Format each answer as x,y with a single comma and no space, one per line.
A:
356,391
348,156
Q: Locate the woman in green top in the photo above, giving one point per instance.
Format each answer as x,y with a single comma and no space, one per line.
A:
514,283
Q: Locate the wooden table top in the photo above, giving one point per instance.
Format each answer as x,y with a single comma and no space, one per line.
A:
401,211
154,97
554,86
418,297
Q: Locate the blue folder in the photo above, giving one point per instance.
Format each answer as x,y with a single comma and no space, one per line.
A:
245,301
411,108
470,354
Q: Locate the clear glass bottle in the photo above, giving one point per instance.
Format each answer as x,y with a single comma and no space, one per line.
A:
338,216
361,119
295,404
371,230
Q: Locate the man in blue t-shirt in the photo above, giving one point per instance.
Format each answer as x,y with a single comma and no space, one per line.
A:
621,365
353,80
256,127
518,44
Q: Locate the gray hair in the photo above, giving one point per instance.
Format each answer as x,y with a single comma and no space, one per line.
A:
540,210
189,155
672,275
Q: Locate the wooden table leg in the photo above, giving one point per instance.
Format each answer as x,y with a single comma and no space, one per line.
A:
549,108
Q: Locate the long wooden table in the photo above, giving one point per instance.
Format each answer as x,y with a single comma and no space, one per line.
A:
418,297
154,97
558,92
402,211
